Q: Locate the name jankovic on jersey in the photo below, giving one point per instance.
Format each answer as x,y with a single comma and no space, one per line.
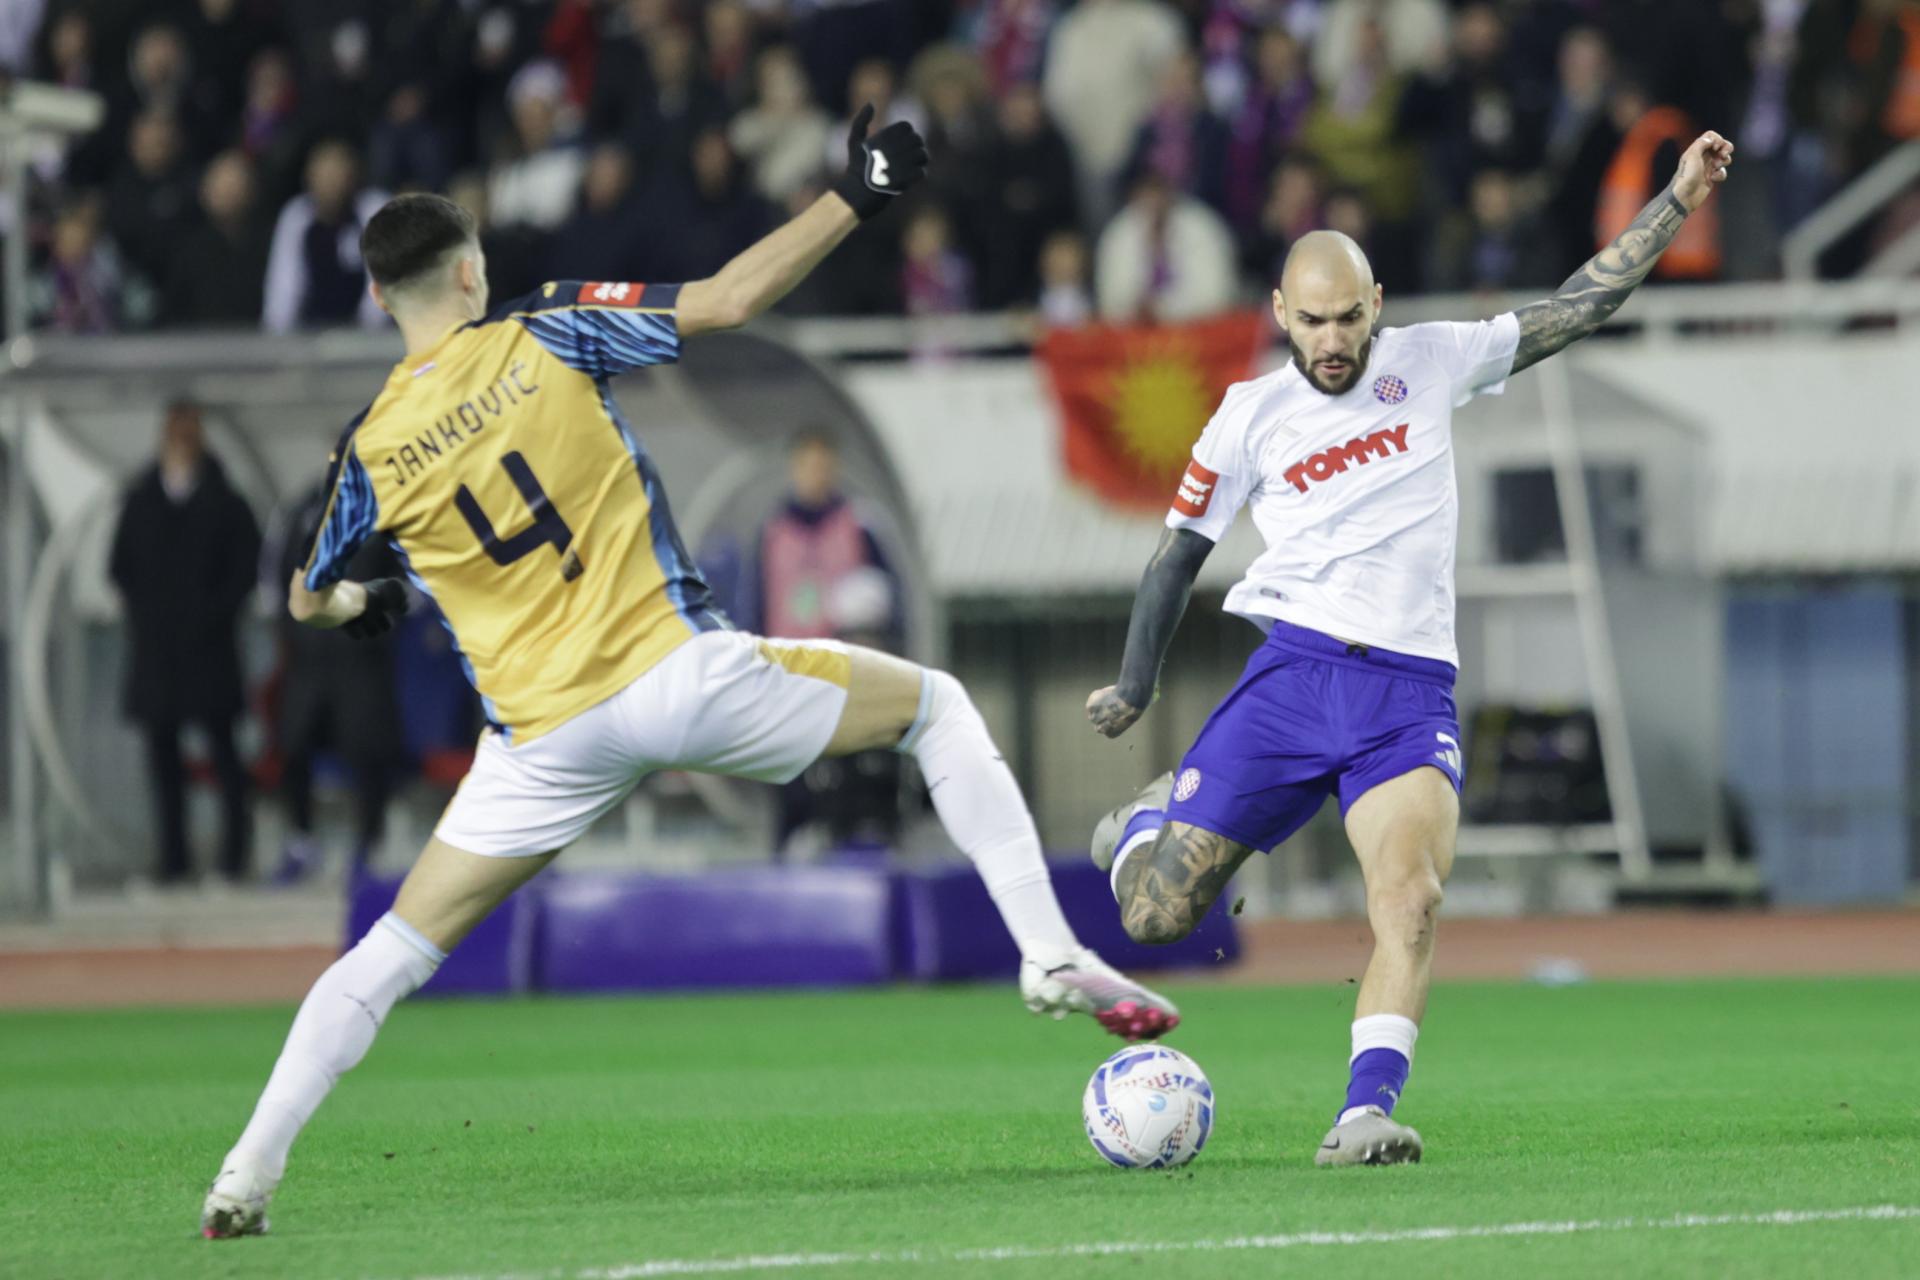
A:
468,418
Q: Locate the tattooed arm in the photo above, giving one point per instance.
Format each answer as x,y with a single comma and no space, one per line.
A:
1596,290
1162,598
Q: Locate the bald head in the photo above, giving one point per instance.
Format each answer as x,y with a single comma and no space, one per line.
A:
1326,259
1326,304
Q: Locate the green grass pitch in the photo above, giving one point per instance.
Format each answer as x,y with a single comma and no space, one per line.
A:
629,1138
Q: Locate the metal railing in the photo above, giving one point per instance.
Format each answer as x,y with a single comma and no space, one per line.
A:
1859,200
1689,313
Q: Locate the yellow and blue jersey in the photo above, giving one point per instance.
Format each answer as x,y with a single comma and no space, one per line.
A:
503,472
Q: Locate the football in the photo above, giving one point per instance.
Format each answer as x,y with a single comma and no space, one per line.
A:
1148,1107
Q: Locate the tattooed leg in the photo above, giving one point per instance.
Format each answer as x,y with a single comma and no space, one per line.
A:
1164,891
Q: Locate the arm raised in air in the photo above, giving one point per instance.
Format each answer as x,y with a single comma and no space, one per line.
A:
1597,289
878,169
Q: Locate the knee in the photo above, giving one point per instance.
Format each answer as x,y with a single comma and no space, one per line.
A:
1403,910
941,697
941,694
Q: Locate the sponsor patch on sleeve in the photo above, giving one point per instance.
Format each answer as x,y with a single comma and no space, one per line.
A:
610,293
1195,494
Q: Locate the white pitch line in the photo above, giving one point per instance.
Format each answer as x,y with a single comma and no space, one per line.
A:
1131,1248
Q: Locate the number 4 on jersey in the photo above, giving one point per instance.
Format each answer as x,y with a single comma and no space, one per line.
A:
548,527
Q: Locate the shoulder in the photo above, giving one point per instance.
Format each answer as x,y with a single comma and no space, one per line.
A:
551,296
1248,404
1408,339
1274,387
587,295
350,436
1434,341
1442,337
353,426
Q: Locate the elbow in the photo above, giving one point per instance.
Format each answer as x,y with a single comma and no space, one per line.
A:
734,311
718,304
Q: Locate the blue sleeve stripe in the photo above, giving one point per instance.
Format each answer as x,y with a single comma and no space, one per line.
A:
603,342
553,331
350,519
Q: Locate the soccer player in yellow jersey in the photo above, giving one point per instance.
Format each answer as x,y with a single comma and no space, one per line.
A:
498,464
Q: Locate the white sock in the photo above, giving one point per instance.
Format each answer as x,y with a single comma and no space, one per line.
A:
1120,856
980,805
1381,1031
331,1033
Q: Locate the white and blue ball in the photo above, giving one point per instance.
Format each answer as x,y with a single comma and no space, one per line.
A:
1148,1107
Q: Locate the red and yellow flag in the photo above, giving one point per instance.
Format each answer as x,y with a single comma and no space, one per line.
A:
1134,398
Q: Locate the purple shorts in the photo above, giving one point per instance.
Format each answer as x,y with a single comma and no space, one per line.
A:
1311,717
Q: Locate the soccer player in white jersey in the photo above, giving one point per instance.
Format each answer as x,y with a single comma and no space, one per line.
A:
498,463
1346,457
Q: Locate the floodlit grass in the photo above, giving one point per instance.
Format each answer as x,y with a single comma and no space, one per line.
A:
561,1138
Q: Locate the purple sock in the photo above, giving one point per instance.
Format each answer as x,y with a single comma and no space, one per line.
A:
1378,1077
1142,820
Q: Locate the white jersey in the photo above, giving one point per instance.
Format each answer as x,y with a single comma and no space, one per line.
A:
1353,494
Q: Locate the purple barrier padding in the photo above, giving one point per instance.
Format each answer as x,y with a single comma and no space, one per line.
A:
734,927
496,958
946,928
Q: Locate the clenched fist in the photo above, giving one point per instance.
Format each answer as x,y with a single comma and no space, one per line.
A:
1112,714
1702,168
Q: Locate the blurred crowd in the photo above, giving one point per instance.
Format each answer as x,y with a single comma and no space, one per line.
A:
1124,158
366,717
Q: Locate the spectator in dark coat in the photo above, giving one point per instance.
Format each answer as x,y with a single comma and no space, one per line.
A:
1182,140
70,56
150,203
694,225
224,36
184,557
1493,246
160,77
407,150
656,99
1292,209
1263,130
215,273
269,128
315,277
1466,114
731,46
1031,196
1580,138
606,238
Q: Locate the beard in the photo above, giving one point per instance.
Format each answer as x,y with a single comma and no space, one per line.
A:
1346,383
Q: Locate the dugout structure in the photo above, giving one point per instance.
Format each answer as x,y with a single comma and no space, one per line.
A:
79,417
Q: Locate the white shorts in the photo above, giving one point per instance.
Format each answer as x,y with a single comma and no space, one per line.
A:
723,702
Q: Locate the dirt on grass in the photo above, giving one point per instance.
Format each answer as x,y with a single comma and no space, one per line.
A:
1629,944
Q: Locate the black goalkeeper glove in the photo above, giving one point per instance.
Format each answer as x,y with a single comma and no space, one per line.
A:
881,167
386,602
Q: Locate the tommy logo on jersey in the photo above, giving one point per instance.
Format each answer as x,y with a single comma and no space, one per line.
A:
610,293
1332,462
1195,494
